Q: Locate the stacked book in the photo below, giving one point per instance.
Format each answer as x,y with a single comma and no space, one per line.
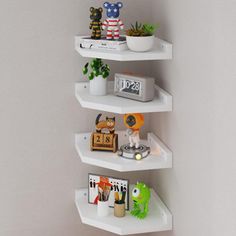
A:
104,44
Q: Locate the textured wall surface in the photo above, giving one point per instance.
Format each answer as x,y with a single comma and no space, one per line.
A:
39,167
200,189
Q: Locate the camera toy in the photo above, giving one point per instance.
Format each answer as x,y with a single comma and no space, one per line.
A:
134,150
113,24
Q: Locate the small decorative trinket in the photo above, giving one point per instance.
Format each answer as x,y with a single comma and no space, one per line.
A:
104,139
134,150
96,24
141,195
113,24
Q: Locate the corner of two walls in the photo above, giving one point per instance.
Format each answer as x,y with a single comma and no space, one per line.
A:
134,10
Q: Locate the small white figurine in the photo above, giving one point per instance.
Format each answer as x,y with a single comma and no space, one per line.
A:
134,138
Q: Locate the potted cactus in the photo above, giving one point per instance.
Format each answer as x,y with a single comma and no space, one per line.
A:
97,76
140,37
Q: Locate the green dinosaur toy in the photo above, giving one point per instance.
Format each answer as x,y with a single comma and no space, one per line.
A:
141,196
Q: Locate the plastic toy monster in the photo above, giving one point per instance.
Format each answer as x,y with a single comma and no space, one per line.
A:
113,23
134,122
96,24
141,196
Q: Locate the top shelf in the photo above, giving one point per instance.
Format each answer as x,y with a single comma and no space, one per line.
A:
161,51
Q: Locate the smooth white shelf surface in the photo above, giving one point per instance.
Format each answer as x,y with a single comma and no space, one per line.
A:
112,103
160,157
158,219
161,51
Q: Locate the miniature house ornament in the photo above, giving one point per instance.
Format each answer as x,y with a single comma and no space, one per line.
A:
113,24
96,24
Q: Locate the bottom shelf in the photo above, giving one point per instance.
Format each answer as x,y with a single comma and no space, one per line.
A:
158,219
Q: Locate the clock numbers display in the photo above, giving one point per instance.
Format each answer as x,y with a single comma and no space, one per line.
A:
130,86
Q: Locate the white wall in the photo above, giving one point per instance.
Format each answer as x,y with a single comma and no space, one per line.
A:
39,167
200,189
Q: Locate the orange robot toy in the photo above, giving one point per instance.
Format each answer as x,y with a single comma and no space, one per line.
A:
133,123
134,150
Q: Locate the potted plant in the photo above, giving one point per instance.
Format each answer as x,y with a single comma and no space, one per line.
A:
97,76
140,37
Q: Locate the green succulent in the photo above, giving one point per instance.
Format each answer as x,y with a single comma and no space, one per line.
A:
97,67
142,30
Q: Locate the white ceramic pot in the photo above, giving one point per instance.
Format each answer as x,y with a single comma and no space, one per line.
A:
98,86
103,209
140,44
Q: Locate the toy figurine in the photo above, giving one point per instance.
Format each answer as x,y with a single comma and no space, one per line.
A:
113,23
104,139
109,124
134,150
134,122
96,24
141,195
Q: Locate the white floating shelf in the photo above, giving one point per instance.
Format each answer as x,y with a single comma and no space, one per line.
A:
161,51
160,157
112,103
158,219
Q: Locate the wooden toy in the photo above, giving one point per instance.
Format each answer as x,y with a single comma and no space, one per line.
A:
104,139
113,24
96,24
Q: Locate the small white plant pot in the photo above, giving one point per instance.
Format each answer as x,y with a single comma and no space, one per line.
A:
140,44
98,86
103,208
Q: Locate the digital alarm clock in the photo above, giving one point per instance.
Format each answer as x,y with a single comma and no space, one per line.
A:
134,87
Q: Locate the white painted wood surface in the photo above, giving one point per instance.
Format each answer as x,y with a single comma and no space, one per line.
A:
114,104
158,219
160,157
161,51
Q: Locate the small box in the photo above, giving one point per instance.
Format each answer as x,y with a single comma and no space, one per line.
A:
104,44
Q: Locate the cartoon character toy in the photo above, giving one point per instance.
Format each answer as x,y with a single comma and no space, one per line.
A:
134,150
134,122
113,23
105,138
108,124
141,195
96,24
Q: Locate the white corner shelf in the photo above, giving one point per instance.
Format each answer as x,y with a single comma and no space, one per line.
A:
112,103
160,157
161,51
158,219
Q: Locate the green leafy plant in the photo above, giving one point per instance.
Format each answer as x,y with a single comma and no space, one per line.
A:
97,68
142,30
